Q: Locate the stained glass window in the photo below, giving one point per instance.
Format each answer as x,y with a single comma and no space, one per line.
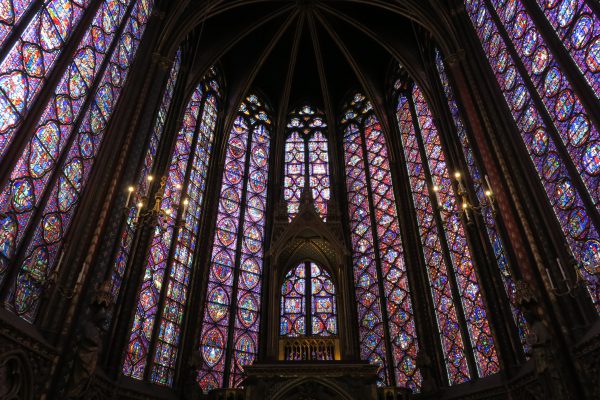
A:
493,235
460,252
143,182
232,309
164,289
572,122
578,28
57,134
578,135
25,68
10,15
311,312
386,321
306,160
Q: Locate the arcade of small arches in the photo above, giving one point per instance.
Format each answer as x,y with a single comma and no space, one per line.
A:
303,199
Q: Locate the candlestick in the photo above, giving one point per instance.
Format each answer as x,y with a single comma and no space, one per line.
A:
562,270
139,209
129,192
60,260
186,202
550,279
487,182
436,190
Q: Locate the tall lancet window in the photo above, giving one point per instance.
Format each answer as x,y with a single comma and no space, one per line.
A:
445,248
578,28
145,181
231,314
482,192
387,330
40,198
308,304
554,119
306,160
161,303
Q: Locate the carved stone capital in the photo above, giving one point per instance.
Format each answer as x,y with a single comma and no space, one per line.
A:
455,58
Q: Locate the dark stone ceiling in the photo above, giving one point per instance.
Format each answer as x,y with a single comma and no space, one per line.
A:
306,50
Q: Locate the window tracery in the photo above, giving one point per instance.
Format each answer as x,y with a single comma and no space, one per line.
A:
387,329
231,315
562,140
306,158
161,300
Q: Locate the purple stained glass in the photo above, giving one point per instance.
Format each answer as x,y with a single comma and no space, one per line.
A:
75,170
26,66
581,234
30,176
374,220
306,157
143,184
578,133
437,270
467,280
308,287
493,235
235,272
578,28
163,368
11,12
171,271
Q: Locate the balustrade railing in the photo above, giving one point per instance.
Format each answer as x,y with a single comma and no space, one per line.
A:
309,348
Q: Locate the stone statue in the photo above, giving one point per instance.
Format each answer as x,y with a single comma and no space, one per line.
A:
90,344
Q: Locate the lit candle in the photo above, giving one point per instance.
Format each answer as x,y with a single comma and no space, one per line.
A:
487,182
562,270
186,202
550,279
150,178
139,209
129,192
465,207
436,190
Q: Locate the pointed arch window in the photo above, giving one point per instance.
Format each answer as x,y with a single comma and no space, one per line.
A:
493,235
231,314
387,329
144,182
56,161
561,137
161,303
308,303
578,28
444,243
306,160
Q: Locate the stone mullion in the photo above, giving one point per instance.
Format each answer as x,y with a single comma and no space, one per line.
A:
563,58
554,242
18,30
238,255
97,214
191,326
468,347
266,271
545,115
39,102
493,292
132,280
494,279
178,228
521,217
391,367
420,293
347,267
19,254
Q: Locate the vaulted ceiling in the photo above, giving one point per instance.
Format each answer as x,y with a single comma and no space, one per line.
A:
293,51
